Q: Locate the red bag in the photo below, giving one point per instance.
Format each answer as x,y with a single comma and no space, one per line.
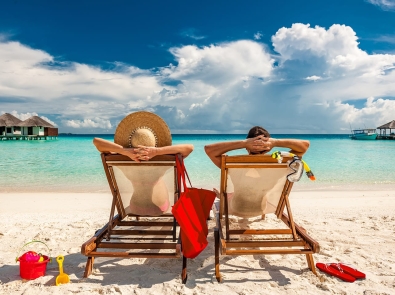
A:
191,212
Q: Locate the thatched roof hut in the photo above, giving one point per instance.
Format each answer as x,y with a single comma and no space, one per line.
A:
34,122
389,125
7,120
383,130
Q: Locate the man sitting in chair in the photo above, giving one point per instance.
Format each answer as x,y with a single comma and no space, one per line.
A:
142,136
258,141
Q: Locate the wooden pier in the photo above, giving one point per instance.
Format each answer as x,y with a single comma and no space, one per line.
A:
28,137
391,136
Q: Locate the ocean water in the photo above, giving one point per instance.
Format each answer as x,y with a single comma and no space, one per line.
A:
72,164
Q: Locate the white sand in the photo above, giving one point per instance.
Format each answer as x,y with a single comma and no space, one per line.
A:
355,227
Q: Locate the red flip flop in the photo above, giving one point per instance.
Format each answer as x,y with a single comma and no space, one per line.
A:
348,270
334,272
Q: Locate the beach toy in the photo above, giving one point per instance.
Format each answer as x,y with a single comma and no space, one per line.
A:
32,265
62,278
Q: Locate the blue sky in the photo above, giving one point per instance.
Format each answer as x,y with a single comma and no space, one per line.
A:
205,67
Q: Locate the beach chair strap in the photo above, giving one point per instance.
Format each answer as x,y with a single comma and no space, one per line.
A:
182,172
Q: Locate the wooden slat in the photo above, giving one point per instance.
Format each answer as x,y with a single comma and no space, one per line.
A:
112,184
268,251
222,186
145,223
254,159
258,244
142,232
114,187
281,202
165,215
138,238
257,166
141,164
88,246
135,255
118,157
303,234
112,245
260,232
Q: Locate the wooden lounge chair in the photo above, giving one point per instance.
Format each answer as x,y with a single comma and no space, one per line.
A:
144,227
251,186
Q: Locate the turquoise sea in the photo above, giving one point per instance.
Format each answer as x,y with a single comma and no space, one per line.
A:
72,164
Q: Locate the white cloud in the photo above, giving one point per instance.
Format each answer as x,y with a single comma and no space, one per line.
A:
25,116
88,123
313,78
223,63
225,87
383,4
49,121
28,72
306,41
386,39
258,35
334,51
192,33
374,113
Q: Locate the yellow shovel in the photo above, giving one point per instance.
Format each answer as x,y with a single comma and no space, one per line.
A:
62,278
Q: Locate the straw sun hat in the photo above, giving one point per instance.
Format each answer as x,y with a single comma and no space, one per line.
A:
142,128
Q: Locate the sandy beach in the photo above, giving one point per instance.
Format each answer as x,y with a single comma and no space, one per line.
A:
354,227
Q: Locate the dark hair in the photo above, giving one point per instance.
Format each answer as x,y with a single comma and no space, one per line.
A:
256,131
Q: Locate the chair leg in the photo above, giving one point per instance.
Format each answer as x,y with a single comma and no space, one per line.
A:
217,245
89,266
310,262
184,275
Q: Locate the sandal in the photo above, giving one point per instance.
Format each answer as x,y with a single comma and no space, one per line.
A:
327,268
348,270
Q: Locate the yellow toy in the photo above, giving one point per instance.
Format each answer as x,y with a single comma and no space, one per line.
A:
62,278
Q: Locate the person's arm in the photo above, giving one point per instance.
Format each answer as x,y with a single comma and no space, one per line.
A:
147,153
142,153
216,150
103,146
296,146
259,144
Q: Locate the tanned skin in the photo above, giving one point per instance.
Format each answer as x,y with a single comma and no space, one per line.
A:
142,153
255,145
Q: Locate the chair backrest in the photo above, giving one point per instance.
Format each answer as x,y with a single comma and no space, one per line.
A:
253,184
146,188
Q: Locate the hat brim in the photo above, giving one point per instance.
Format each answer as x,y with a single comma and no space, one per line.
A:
142,119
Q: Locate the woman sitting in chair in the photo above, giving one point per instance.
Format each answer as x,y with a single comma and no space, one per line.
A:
142,136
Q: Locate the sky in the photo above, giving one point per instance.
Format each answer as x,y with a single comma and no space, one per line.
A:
293,67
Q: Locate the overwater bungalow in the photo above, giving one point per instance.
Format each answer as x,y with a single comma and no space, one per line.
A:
32,128
9,126
386,131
